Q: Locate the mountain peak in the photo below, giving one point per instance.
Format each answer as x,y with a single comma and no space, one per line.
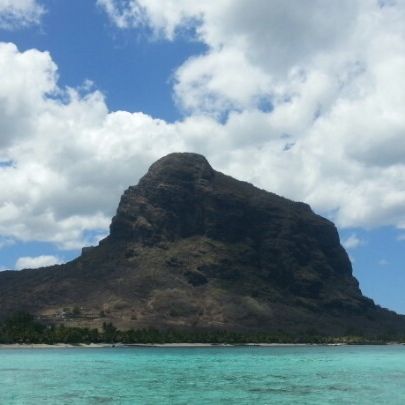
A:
193,248
180,167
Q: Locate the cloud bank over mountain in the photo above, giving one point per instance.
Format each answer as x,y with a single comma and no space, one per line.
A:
302,98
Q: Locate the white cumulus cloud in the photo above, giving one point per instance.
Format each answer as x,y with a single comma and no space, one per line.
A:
352,242
29,262
70,157
19,13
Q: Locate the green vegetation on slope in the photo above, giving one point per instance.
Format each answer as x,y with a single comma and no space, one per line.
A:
24,329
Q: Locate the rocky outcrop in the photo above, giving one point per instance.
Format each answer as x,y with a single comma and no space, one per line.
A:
191,247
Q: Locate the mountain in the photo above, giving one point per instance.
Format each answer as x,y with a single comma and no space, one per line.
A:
190,247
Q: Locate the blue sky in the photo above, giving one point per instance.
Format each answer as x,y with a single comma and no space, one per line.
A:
131,69
92,92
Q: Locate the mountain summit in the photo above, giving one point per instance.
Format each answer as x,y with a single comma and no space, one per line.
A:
190,247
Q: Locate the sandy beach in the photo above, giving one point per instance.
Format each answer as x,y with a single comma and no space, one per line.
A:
57,346
121,345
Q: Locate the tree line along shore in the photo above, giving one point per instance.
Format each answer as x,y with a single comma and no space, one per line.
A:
23,328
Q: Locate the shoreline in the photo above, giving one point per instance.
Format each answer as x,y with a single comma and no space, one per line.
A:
119,345
54,346
173,345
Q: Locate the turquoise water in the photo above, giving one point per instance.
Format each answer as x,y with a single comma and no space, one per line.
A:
236,375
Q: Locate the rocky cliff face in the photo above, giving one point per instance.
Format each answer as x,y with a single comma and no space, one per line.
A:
191,247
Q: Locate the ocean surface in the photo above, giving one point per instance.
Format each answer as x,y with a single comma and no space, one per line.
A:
217,375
